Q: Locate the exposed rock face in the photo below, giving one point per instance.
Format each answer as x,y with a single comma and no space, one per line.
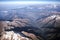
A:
57,23
1,29
50,27
16,36
13,36
9,35
18,22
32,36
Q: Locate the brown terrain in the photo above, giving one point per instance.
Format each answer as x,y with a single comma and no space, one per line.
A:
50,25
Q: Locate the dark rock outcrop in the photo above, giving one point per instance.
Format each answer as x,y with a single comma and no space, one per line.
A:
50,27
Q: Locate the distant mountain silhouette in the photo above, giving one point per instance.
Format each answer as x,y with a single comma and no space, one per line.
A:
31,12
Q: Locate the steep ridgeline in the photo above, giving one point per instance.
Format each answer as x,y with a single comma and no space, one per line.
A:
50,27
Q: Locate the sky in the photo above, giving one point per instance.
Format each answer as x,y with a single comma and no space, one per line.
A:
30,0
27,1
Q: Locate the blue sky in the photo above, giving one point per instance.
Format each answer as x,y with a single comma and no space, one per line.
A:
29,0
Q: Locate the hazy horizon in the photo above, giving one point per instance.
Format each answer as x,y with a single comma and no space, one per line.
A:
28,2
